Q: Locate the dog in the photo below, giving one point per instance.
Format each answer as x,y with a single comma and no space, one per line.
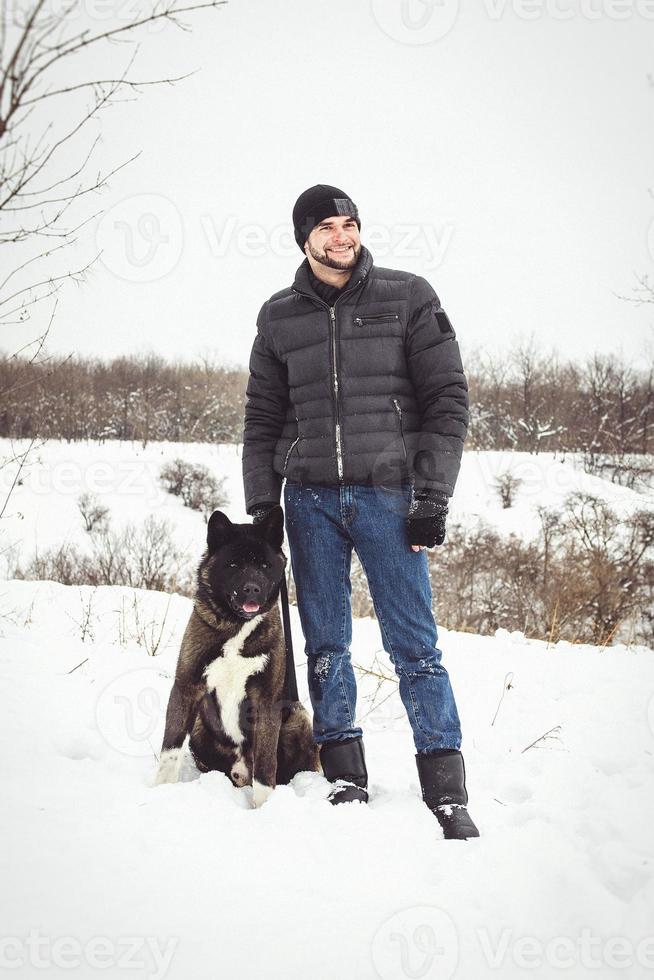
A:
228,699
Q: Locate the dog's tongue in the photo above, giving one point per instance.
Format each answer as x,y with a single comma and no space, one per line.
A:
250,606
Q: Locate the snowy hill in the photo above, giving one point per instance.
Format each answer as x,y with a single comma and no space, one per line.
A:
104,871
43,511
188,881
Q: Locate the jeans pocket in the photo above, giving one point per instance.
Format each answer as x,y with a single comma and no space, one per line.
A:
398,490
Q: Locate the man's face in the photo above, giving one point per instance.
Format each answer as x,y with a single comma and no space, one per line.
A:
335,243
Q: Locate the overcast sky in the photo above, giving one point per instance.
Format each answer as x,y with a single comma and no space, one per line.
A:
503,149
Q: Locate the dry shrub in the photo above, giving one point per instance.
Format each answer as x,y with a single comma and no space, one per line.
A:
94,514
507,486
142,557
587,577
196,486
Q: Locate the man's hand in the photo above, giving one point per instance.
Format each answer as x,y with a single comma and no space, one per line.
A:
426,519
261,510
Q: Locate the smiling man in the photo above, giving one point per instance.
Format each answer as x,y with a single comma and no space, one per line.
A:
357,397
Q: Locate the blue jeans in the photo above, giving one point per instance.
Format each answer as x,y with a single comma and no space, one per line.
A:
323,524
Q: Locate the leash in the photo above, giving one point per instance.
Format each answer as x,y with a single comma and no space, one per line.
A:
290,681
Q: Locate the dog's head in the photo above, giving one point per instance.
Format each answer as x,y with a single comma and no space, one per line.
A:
244,564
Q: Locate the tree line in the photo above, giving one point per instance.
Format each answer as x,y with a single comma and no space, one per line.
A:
143,399
525,400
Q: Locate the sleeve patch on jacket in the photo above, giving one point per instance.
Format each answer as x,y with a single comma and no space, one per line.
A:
443,321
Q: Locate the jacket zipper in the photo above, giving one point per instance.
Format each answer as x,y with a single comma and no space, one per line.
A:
290,450
332,325
360,320
398,409
339,448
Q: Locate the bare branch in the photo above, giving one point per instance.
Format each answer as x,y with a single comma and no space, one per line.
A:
552,733
48,282
109,81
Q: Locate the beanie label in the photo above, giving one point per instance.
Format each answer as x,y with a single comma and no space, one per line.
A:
343,205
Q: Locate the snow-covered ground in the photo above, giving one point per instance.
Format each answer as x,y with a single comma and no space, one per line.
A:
43,510
104,874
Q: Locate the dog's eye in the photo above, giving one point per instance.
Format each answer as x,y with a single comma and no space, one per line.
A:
264,564
232,564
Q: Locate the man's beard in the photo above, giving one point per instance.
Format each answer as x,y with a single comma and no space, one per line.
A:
333,263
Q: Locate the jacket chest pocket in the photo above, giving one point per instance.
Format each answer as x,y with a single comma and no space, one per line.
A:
373,319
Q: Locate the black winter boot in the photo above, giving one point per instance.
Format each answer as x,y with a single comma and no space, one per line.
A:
343,763
443,783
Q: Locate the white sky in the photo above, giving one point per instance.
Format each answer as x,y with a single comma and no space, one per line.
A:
509,161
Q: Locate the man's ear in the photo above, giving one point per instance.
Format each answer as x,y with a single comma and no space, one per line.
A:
271,527
219,530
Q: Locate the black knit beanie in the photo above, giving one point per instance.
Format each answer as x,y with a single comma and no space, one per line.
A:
316,204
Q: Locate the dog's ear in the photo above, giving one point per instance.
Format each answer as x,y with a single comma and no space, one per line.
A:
272,527
219,530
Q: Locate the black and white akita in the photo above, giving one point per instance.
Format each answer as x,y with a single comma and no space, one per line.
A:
227,702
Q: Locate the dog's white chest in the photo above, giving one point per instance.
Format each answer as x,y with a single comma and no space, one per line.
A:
228,675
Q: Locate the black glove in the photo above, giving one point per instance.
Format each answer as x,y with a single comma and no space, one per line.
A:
426,518
261,510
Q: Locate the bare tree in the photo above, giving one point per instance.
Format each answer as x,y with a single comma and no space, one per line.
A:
48,62
535,409
50,67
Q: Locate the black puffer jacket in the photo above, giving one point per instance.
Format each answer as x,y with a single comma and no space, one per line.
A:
371,390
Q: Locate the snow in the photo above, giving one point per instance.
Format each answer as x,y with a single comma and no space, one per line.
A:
545,479
202,885
43,511
103,871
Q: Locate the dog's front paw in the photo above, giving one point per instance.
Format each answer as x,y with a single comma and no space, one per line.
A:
169,767
260,793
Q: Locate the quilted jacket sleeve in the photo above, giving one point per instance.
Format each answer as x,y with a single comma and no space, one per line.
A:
441,390
265,411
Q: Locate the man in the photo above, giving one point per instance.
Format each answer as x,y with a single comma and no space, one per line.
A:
357,397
